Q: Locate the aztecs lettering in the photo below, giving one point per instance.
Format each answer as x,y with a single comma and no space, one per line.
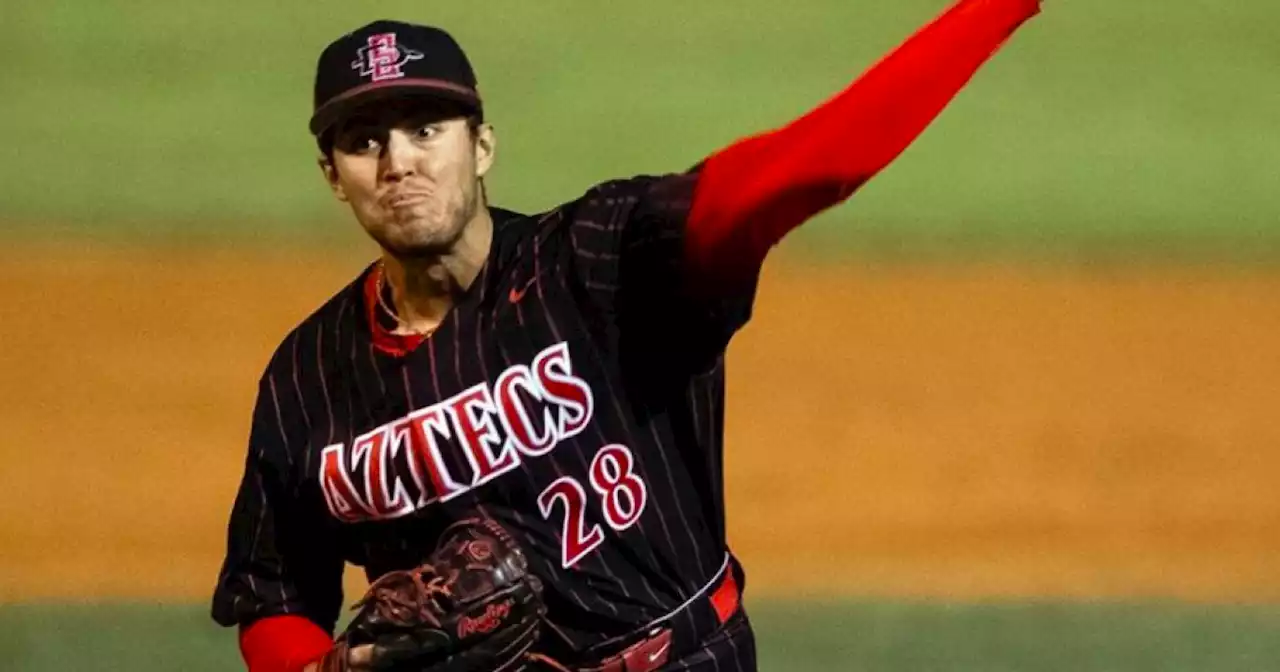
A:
399,467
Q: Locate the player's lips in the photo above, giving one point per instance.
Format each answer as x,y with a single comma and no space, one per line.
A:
401,199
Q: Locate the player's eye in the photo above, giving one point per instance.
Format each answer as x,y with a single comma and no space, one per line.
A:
359,142
427,131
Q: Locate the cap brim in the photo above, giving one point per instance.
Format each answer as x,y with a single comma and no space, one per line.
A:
432,89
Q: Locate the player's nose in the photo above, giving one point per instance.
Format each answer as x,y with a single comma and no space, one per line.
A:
398,156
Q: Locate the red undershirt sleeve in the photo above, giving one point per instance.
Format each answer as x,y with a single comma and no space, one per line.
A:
282,644
750,194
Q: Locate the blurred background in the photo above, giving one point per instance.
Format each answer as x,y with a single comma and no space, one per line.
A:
1011,408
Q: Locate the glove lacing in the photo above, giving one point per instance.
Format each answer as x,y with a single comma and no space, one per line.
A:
393,603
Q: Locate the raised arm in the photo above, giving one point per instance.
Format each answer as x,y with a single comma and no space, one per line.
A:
750,194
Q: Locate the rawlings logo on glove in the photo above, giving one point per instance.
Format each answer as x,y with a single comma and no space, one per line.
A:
486,623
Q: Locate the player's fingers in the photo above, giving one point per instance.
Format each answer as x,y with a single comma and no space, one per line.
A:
361,657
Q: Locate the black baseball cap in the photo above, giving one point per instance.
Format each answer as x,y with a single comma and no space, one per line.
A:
391,59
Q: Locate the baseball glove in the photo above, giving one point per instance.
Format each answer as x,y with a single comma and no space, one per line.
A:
473,606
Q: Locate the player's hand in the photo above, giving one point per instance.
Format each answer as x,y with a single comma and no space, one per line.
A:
359,659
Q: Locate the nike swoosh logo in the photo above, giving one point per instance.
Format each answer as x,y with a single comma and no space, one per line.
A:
517,294
653,657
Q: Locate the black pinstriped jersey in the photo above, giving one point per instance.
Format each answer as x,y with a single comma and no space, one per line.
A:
574,393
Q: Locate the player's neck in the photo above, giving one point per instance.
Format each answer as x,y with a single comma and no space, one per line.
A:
424,289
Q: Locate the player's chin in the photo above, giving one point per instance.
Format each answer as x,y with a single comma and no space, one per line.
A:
418,238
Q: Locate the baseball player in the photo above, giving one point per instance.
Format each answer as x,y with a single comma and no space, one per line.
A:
558,377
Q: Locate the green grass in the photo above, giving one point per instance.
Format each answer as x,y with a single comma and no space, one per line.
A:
796,637
1104,123
1044,637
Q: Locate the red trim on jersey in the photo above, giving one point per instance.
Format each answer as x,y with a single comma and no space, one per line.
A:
726,596
396,345
283,644
752,193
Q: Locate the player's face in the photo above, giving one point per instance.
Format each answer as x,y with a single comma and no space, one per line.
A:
411,174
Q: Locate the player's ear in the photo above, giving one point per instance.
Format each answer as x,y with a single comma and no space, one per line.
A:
331,176
486,144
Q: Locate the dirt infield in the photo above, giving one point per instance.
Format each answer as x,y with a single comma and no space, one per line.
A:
960,431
